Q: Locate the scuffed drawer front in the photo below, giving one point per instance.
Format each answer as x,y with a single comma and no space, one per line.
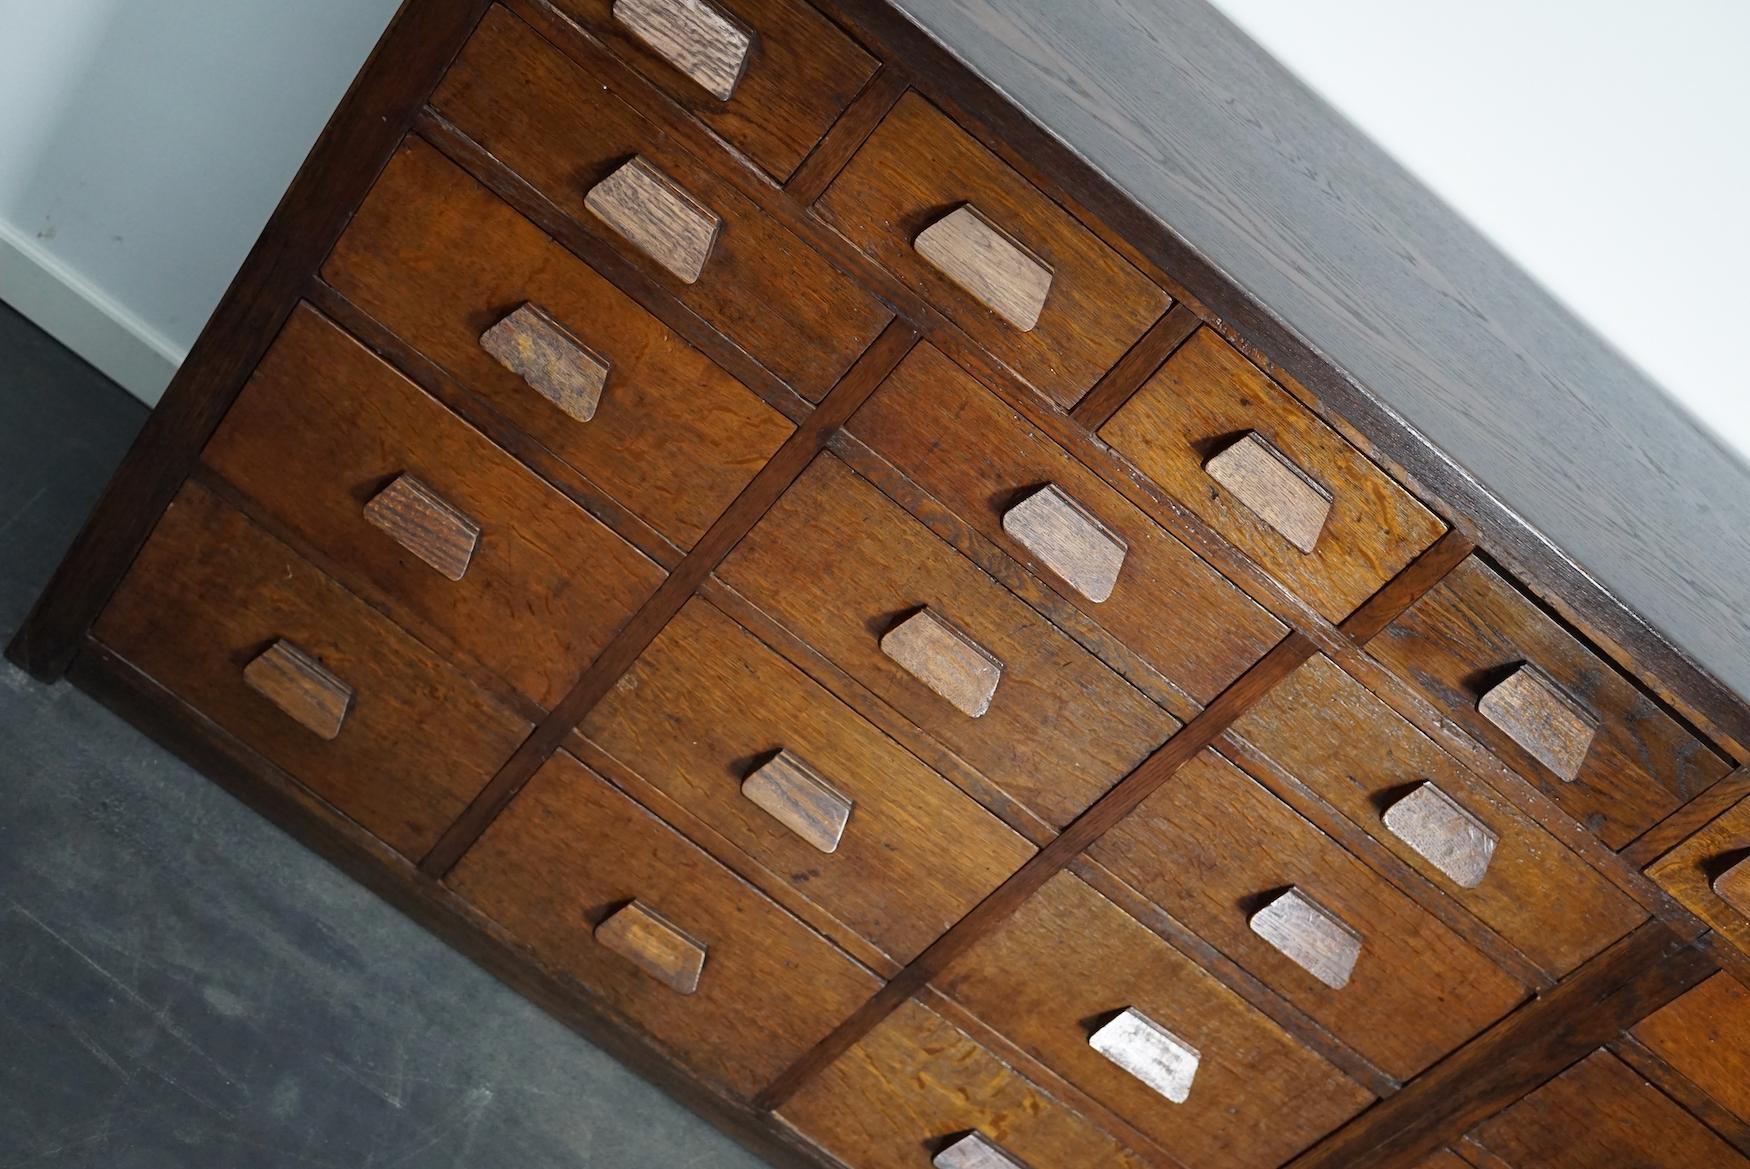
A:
605,894
1554,710
231,621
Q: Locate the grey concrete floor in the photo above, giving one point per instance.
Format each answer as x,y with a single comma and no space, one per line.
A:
182,986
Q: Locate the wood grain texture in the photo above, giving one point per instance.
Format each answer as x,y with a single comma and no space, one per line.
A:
707,704
650,942
555,364
1277,491
559,126
1069,960
941,655
971,451
420,520
1310,936
1404,589
324,424
571,851
1705,1035
1212,848
1693,870
1686,821
1683,1090
801,71
211,591
916,1085
692,36
302,687
988,264
973,1151
1331,733
1151,1053
1205,395
1136,366
794,794
917,166
1534,712
658,217
1444,833
839,564
1068,539
1474,628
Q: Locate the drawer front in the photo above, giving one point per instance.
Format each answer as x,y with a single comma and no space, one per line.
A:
788,71
1601,1113
223,615
1710,874
846,568
561,127
1466,643
706,712
571,855
1069,961
953,221
1368,762
964,446
1265,472
1705,1034
325,433
1228,859
440,261
916,1086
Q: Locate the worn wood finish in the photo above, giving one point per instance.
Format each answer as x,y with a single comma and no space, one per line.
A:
1273,488
1404,589
1333,735
650,942
1535,713
916,167
1733,886
410,513
1473,629
558,125
571,851
1310,936
1068,539
941,655
1444,833
968,449
794,794
988,264
840,564
1151,1053
973,1151
1136,366
1069,960
1683,1090
658,217
1192,410
302,687
554,363
1695,871
324,424
1691,818
211,591
693,36
1705,1035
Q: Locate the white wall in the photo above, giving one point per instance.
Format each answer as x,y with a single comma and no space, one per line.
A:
143,145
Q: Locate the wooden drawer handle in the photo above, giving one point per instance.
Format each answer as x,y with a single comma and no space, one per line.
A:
795,795
1275,490
657,217
972,1151
692,36
944,657
418,519
1149,1052
1733,886
1069,540
1310,936
301,687
1444,834
555,364
650,942
989,264
1541,717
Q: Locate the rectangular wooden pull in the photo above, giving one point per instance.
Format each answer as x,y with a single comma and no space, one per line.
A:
973,1151
1733,886
418,519
796,796
1149,1052
301,687
1444,834
1262,478
989,264
644,938
1069,540
692,36
555,364
1539,715
1310,937
657,217
943,657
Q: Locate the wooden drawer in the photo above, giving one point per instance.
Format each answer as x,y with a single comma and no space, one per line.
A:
1624,763
1710,874
847,569
788,72
917,1085
1600,1113
964,446
561,127
232,622
1705,1034
1265,472
1368,762
572,863
1069,962
326,437
440,261
889,847
1229,860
